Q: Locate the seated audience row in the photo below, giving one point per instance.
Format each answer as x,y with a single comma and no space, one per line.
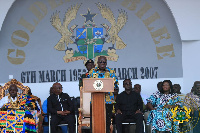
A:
129,105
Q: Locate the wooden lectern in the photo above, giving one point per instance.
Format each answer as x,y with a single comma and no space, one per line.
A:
98,87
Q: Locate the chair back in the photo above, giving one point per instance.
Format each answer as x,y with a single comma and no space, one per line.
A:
85,99
21,88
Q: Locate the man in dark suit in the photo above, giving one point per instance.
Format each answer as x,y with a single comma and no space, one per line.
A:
129,105
61,107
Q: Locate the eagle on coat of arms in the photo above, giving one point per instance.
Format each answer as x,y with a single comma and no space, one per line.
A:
115,27
63,28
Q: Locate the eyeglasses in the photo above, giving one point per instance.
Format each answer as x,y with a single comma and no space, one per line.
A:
102,62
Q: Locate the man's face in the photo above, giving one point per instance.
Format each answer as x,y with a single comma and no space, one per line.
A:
127,84
89,66
102,62
13,91
176,88
57,88
137,88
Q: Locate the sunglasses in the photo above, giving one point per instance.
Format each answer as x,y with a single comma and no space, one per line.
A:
102,62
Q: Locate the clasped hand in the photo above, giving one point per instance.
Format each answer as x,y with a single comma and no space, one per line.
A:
65,112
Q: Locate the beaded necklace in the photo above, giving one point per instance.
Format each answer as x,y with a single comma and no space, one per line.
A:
13,104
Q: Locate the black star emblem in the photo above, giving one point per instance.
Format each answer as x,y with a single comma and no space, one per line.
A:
106,35
89,16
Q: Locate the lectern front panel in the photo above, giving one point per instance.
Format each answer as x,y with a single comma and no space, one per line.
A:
98,85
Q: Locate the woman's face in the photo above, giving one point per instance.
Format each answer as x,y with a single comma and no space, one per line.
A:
166,87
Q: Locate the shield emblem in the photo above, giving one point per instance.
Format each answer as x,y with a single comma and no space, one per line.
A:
89,41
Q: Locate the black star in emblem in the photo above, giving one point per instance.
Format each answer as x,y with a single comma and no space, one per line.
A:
89,16
106,35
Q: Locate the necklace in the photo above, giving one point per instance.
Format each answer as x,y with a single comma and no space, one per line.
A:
13,104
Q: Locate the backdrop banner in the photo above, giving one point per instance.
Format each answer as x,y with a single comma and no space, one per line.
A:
50,40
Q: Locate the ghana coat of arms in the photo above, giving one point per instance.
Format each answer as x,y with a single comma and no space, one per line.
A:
89,38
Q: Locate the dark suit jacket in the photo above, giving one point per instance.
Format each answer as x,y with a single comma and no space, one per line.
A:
54,104
129,103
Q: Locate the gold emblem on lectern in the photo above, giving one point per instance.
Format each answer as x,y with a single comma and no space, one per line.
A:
98,85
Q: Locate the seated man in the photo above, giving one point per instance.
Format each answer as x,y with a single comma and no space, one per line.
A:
60,106
10,101
46,120
23,102
129,105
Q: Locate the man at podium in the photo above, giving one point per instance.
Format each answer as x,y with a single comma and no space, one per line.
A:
101,71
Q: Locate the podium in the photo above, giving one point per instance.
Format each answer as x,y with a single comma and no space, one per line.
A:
98,87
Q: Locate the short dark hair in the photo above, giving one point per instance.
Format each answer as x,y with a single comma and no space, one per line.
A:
194,86
125,80
137,84
178,85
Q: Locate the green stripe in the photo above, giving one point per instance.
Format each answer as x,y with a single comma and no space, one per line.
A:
90,51
18,126
11,120
19,112
89,33
90,46
10,129
30,129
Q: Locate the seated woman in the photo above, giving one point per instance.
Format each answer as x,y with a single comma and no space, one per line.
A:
160,104
20,102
